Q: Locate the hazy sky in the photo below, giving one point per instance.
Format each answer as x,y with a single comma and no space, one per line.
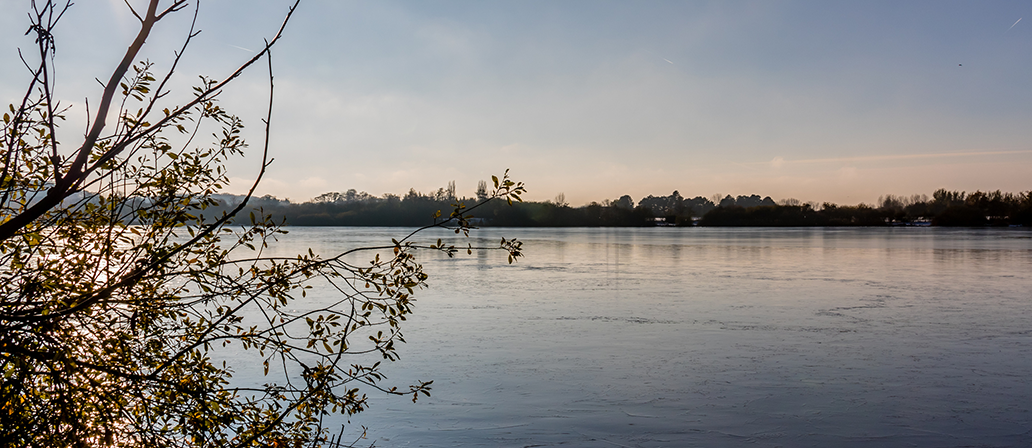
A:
820,101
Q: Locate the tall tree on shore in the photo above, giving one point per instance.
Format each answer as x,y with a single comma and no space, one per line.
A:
119,300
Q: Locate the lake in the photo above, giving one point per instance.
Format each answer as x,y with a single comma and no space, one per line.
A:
669,337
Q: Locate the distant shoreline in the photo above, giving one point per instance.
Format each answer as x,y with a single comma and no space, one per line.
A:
944,209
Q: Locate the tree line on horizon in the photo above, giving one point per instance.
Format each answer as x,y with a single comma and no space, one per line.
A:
944,208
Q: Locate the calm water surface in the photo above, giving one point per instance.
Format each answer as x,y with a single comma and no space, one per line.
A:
715,337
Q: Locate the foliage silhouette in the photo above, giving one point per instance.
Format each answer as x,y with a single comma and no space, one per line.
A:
122,289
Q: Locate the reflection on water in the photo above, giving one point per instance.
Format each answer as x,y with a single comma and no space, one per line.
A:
716,337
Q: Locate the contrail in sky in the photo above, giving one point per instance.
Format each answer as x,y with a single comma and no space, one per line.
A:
242,48
1015,23
658,56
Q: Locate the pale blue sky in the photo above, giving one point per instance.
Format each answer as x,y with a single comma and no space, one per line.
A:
821,101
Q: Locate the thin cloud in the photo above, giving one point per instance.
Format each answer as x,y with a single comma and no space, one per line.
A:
1015,23
903,157
123,17
241,48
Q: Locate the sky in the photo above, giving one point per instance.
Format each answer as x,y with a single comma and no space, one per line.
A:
820,101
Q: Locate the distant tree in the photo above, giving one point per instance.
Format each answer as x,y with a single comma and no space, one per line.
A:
1021,213
675,203
118,299
656,204
727,202
672,205
481,190
625,202
994,204
560,200
699,205
948,198
329,198
860,215
764,216
747,201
